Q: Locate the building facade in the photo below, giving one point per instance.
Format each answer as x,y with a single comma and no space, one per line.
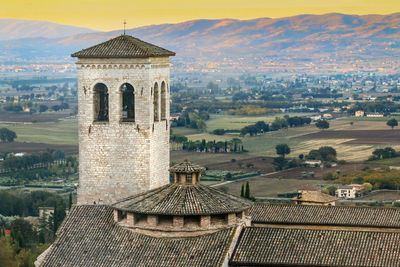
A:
123,119
346,192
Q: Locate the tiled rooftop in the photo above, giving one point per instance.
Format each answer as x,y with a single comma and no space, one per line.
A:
295,247
175,199
325,215
90,237
186,167
123,46
315,196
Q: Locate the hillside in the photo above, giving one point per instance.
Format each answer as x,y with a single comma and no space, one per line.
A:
305,38
11,29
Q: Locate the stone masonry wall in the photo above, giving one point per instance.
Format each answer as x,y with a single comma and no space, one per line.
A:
119,159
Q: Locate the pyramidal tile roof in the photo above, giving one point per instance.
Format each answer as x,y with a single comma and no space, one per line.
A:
175,199
123,46
186,167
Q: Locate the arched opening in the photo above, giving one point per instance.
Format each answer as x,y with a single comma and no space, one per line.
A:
163,101
156,103
128,102
100,102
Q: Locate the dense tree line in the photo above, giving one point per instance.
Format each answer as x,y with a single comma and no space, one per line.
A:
233,146
279,123
26,242
192,119
383,178
28,161
384,153
325,153
21,203
376,106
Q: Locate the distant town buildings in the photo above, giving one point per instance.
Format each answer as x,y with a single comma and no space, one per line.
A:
359,113
314,198
346,192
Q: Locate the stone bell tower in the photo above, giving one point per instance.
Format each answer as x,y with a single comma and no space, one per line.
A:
123,119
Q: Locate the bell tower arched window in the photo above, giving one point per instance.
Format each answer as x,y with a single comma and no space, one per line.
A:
128,102
163,101
156,103
100,101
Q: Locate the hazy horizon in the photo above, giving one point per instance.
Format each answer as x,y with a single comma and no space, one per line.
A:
105,15
188,20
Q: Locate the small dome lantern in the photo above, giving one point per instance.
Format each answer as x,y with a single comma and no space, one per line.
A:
187,173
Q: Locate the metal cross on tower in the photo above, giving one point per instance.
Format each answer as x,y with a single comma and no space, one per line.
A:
124,25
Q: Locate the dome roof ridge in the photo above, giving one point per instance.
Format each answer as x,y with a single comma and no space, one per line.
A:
179,199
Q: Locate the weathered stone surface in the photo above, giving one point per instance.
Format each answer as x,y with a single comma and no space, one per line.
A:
178,221
205,221
119,159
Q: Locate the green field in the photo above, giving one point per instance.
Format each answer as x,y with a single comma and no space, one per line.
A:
184,131
236,122
63,131
267,187
370,118
392,161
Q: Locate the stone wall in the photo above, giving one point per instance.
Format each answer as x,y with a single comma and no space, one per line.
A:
119,159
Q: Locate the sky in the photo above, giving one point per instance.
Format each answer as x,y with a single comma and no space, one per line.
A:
109,15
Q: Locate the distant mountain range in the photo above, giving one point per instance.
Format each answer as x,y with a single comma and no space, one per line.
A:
303,37
11,29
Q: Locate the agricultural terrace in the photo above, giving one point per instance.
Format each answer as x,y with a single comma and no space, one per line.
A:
62,131
353,140
268,187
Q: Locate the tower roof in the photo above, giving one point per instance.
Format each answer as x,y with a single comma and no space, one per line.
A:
186,167
175,199
124,46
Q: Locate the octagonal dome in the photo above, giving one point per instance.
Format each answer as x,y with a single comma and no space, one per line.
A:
183,200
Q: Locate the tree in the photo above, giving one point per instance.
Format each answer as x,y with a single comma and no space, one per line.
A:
23,233
43,108
322,124
7,135
201,125
282,150
56,107
6,253
70,201
367,187
327,153
331,190
392,123
58,215
247,192
219,132
279,163
242,191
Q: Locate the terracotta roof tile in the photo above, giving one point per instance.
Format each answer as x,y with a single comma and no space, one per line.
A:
123,46
186,167
315,196
325,215
175,199
294,247
90,237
